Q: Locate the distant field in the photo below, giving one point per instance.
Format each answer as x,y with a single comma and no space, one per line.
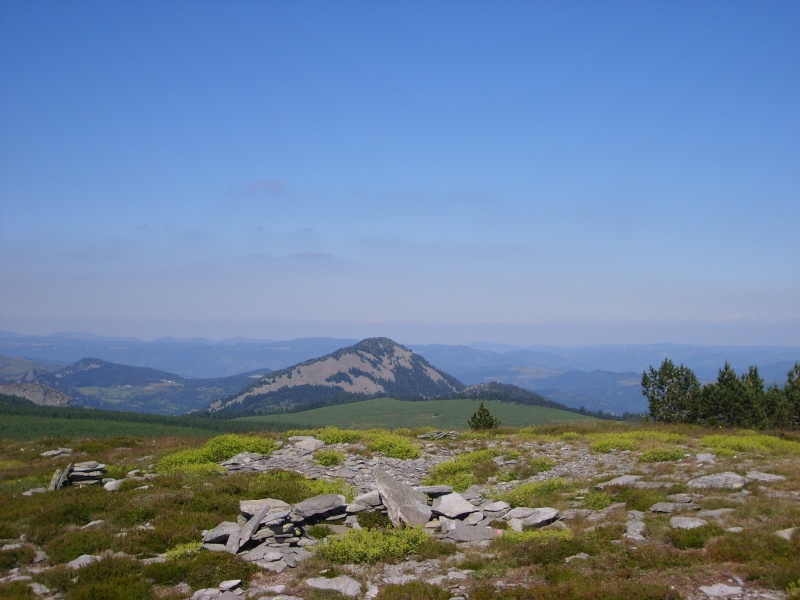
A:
441,414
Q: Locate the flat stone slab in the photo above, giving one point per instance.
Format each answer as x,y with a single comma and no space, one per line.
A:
325,504
759,476
403,503
83,560
434,490
342,584
622,480
541,517
220,533
786,533
687,523
466,533
705,457
249,508
722,481
453,506
720,590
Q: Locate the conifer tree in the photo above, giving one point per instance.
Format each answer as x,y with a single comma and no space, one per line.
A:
483,419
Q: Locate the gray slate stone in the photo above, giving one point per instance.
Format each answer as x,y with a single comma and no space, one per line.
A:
318,506
453,506
541,517
759,476
722,481
220,533
404,503
342,584
464,533
82,561
720,590
686,523
622,480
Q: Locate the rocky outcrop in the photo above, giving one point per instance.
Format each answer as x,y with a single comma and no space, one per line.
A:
35,392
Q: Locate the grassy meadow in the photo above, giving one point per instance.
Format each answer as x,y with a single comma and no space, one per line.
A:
388,413
180,490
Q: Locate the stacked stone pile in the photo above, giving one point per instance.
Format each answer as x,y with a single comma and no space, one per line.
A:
83,473
274,534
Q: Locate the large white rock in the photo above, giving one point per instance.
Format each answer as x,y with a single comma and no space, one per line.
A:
687,523
403,503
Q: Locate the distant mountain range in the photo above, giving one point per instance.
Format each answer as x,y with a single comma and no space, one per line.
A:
596,377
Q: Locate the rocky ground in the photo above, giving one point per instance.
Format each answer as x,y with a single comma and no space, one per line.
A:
716,491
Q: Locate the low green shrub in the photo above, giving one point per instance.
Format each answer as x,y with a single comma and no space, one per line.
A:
70,544
684,539
607,442
413,590
329,458
371,546
763,556
750,442
661,455
319,531
293,487
433,548
334,435
528,494
17,590
203,569
510,539
112,578
181,550
16,557
392,445
597,500
374,519
215,450
465,469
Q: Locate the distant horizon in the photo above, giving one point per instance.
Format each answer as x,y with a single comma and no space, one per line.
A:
413,336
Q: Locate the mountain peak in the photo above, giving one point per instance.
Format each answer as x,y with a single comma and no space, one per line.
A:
371,368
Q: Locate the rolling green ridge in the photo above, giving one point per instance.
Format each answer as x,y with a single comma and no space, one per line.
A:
21,419
389,413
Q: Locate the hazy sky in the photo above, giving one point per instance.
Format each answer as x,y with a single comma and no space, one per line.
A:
438,171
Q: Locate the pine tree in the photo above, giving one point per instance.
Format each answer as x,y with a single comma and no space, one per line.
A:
673,393
483,419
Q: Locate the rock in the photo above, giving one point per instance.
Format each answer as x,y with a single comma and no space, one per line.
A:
519,513
706,458
434,490
634,530
82,561
250,507
230,584
342,584
786,533
723,481
759,476
496,507
91,524
717,514
453,506
686,523
309,444
220,533
113,485
320,506
622,480
540,517
720,590
464,533
371,499
236,541
403,502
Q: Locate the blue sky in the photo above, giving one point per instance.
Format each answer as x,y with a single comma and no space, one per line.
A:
520,172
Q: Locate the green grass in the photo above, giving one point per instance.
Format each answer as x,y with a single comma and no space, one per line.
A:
389,413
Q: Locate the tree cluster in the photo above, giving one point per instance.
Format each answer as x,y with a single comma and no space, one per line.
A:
677,396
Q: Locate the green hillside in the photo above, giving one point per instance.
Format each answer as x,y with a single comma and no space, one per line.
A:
391,414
